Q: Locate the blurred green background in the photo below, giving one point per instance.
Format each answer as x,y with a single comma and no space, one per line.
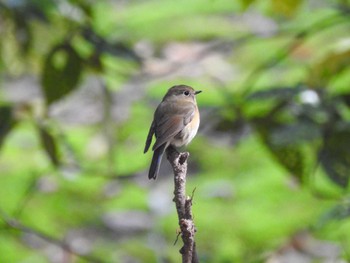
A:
79,82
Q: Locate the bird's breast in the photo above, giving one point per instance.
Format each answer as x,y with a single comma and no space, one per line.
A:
186,135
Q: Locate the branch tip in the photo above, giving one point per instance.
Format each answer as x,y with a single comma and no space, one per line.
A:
183,157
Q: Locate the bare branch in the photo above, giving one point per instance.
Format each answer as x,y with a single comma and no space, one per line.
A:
183,204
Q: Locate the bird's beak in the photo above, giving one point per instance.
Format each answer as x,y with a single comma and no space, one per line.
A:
197,92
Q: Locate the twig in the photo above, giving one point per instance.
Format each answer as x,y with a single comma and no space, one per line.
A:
27,196
183,204
177,237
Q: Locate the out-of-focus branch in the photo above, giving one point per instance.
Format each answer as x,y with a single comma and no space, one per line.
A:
183,204
15,224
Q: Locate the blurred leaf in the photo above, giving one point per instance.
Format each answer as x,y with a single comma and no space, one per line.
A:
85,6
247,3
94,61
282,132
291,157
6,122
288,155
346,99
101,45
286,7
38,9
332,65
21,13
27,10
61,73
334,156
338,212
296,133
23,33
49,144
276,93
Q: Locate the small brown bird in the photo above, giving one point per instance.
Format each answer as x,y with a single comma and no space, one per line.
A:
175,122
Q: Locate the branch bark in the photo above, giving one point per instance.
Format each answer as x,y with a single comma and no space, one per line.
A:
183,204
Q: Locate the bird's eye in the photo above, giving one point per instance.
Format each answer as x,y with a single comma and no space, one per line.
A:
186,93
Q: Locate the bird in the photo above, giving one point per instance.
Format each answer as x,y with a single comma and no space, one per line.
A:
175,123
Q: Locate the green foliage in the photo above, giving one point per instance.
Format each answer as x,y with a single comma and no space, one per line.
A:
176,22
61,72
49,145
283,8
292,123
275,136
324,71
7,121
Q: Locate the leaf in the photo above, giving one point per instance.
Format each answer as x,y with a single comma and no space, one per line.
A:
61,72
335,158
286,7
346,99
246,3
101,45
49,144
296,133
288,155
23,33
84,6
276,93
6,122
324,71
338,212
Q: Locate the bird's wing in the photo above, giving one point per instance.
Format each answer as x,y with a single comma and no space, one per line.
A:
171,122
149,137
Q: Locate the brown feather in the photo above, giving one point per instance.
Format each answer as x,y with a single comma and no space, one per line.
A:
149,137
175,122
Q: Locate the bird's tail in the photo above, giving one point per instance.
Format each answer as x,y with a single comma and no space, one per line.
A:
156,160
